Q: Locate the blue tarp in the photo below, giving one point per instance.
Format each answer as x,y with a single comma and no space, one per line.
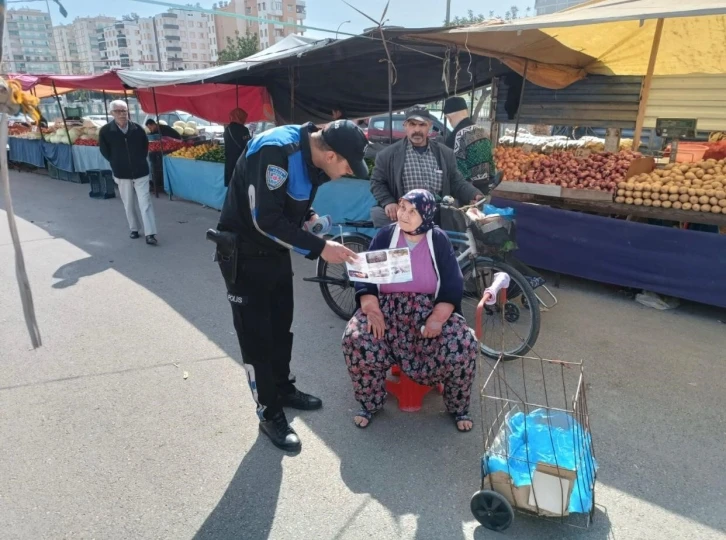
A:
347,199
89,158
681,263
198,181
26,151
551,438
60,155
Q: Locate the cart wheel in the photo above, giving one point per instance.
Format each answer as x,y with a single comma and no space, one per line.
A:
511,312
492,510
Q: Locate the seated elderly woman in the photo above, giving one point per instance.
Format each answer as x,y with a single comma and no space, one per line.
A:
417,325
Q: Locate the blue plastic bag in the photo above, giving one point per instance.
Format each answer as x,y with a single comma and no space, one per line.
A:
550,437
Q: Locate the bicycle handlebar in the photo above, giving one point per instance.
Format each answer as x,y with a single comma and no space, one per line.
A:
499,285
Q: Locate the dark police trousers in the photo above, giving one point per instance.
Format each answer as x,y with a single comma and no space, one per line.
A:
262,307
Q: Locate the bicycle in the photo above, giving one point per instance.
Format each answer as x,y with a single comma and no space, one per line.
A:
518,315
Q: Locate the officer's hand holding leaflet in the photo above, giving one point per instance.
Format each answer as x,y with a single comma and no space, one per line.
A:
336,253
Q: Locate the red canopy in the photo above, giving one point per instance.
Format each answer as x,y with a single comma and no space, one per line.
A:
212,102
105,81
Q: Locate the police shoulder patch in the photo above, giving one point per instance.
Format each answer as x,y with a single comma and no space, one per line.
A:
275,176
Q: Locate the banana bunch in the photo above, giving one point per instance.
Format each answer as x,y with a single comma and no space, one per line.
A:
716,136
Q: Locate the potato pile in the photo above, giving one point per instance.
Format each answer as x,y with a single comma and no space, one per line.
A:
700,187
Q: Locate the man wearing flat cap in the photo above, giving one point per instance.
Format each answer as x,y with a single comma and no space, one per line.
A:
470,143
416,163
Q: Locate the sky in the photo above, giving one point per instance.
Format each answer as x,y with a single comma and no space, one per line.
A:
327,14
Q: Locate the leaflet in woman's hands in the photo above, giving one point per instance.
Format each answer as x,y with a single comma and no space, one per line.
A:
383,266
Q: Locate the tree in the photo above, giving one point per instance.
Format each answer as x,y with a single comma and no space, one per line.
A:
515,11
239,48
470,18
131,17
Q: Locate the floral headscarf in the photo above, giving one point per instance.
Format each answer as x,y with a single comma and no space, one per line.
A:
238,116
425,204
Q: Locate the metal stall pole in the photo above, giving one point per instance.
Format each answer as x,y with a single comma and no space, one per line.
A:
390,103
521,101
473,91
65,125
105,105
161,150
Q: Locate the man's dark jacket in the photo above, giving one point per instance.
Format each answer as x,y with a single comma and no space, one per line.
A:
126,152
387,177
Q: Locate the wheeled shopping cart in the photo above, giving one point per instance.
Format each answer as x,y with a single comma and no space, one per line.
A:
538,453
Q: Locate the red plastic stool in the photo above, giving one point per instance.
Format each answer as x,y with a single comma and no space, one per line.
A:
410,394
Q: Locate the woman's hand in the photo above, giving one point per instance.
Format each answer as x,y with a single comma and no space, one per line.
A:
372,309
432,329
436,320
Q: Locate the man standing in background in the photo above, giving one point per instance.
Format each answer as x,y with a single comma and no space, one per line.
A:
470,143
125,146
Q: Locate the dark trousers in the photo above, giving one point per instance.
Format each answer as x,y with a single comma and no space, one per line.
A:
262,305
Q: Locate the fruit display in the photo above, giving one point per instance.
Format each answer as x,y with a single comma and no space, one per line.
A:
215,155
16,130
512,161
166,145
85,142
700,187
186,129
716,136
716,151
59,135
600,172
192,152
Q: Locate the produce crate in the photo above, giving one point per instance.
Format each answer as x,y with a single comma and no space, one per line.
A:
102,184
156,171
532,189
65,176
586,194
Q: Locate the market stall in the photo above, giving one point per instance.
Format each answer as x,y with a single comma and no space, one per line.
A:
593,207
196,174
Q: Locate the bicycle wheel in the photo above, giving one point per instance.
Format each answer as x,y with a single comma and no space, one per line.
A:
335,285
512,329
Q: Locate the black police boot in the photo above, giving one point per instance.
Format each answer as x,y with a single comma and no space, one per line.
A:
300,400
280,433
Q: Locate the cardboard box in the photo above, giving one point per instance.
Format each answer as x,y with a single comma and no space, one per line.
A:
549,483
639,166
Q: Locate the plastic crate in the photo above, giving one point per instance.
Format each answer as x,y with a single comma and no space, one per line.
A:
102,184
65,176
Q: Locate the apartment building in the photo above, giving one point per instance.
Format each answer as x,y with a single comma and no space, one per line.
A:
28,44
66,50
170,41
77,45
119,45
544,7
85,30
283,13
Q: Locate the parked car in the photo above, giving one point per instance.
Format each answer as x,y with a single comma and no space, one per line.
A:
209,129
378,128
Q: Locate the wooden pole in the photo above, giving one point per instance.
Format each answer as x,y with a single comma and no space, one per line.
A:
65,125
521,101
645,91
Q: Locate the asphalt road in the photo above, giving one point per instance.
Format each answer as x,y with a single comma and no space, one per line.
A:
102,436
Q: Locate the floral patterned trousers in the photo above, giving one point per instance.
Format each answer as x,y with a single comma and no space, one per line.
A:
449,358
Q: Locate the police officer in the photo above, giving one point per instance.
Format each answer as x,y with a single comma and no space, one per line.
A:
267,204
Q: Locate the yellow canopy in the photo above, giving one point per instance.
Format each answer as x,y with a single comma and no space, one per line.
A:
605,37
